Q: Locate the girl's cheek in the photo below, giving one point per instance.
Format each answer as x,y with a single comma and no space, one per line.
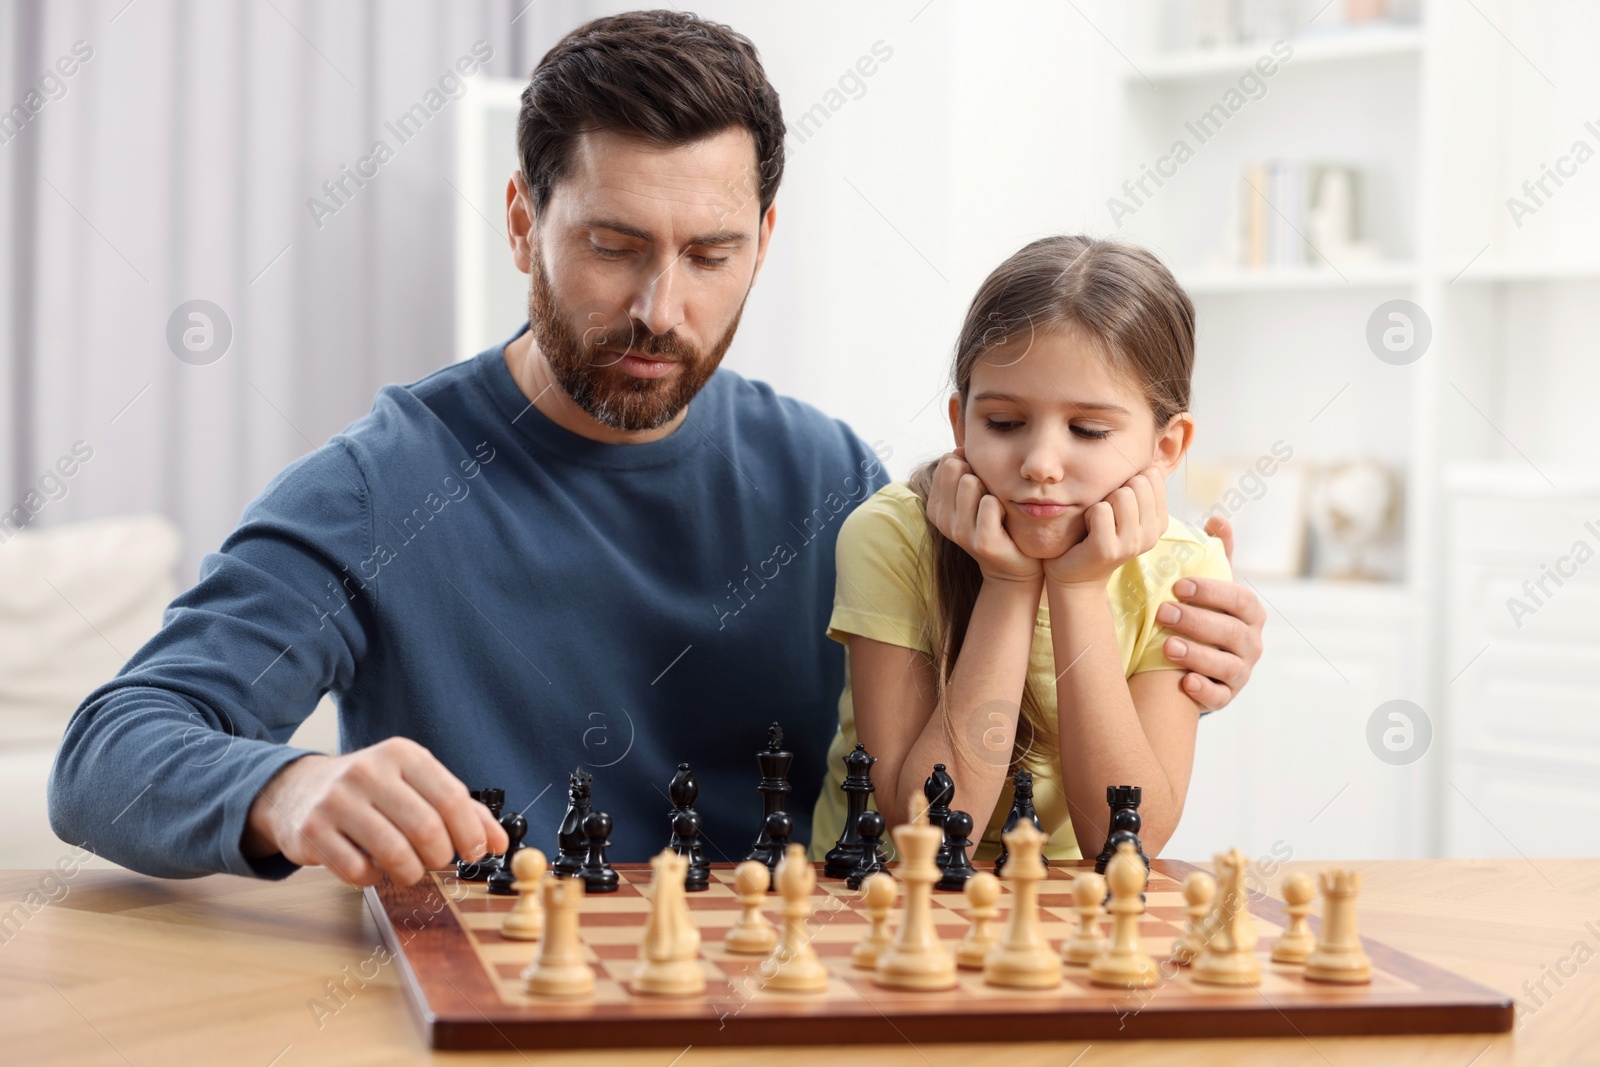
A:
986,460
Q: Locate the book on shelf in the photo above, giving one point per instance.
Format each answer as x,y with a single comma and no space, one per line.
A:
1294,214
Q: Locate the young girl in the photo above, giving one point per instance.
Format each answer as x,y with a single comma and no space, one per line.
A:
998,609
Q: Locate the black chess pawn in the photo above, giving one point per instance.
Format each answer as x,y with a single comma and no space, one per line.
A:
870,826
776,831
939,790
686,828
845,856
1021,808
501,879
479,870
683,791
571,845
957,839
597,875
774,788
1125,824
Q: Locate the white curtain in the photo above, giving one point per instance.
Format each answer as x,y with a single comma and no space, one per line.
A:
158,152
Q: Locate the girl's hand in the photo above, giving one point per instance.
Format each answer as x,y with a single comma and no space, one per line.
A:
1126,524
961,508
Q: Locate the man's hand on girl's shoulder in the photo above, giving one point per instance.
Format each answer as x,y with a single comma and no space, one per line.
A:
1223,621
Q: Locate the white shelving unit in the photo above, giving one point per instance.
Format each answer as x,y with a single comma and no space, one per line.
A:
1276,346
1445,119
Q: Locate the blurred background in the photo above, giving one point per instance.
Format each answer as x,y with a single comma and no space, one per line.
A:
1386,212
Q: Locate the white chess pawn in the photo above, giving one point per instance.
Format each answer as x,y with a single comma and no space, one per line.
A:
794,965
1199,890
1084,946
560,969
983,898
1297,942
752,934
1124,964
525,920
1338,956
878,892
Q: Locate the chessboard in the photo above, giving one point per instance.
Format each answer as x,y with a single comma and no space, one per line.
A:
462,979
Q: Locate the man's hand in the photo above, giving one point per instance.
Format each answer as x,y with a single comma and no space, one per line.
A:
961,508
1223,621
1127,523
389,808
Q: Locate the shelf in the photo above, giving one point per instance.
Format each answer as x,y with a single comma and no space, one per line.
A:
1492,273
1341,47
1507,478
1277,279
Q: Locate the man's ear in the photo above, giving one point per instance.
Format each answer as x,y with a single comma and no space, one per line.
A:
958,425
1173,442
763,235
520,222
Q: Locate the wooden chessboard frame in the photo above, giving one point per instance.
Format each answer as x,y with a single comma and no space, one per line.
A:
459,1004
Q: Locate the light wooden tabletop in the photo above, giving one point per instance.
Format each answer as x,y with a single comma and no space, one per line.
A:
114,968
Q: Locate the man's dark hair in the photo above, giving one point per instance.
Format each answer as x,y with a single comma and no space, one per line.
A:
668,77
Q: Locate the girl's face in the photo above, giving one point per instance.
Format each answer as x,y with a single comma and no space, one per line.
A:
1050,430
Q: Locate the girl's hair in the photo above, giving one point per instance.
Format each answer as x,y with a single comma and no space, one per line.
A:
1117,297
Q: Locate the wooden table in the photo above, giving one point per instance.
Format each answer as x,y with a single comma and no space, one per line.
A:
124,969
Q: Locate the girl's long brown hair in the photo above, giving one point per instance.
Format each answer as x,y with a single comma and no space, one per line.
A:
1123,300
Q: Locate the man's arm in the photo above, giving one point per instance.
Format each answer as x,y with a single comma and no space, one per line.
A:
1223,623
163,768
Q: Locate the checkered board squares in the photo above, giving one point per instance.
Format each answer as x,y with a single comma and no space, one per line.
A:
461,974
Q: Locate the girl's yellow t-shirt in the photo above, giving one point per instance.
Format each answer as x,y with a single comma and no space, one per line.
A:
884,591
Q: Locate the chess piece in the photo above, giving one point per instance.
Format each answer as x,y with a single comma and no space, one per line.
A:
751,934
1338,956
794,965
1125,964
559,969
939,791
683,791
502,879
597,875
525,920
878,891
983,898
916,959
1021,811
571,844
957,868
1297,942
479,870
1124,825
870,829
774,788
845,856
669,963
1228,956
780,824
1199,889
1023,959
1088,901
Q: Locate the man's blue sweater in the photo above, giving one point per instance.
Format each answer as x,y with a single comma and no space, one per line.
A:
457,569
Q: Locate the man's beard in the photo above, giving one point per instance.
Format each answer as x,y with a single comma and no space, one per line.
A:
586,372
